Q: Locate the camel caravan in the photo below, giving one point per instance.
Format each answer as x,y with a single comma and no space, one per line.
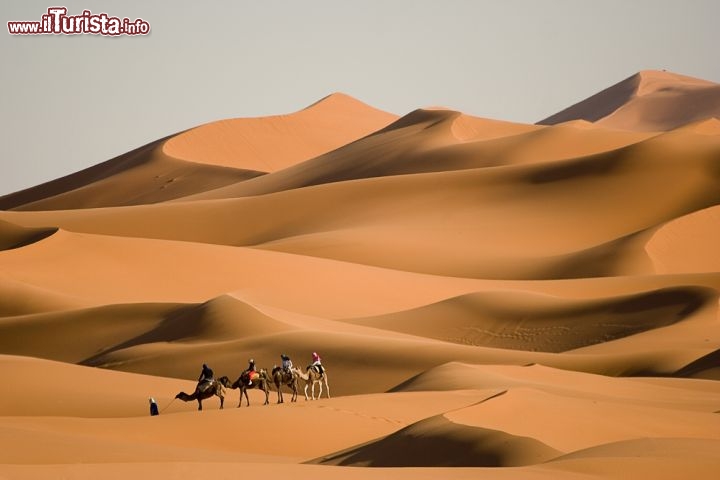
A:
286,374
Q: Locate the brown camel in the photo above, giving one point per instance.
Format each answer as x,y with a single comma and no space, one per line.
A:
215,388
281,378
312,376
261,382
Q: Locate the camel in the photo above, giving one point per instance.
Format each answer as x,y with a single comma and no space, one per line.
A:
215,388
283,378
313,376
262,382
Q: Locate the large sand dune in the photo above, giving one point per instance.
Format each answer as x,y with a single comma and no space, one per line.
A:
491,299
647,101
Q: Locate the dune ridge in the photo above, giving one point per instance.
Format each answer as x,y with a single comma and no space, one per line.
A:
650,100
143,176
272,143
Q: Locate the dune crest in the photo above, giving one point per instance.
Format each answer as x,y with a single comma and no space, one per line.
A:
437,442
268,144
687,244
142,176
535,323
650,100
15,236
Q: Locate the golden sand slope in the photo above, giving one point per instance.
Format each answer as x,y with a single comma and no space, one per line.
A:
647,101
269,144
145,175
490,299
95,421
207,157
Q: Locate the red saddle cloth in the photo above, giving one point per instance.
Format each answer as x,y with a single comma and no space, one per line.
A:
248,376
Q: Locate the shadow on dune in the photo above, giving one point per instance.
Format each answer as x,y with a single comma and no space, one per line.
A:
15,236
532,323
707,367
145,175
599,105
438,442
220,319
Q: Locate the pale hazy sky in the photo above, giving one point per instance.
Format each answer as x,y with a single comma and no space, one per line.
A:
69,102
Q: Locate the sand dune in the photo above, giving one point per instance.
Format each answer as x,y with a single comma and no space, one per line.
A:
491,299
453,429
18,298
207,157
427,141
437,442
268,144
398,221
647,101
14,236
104,272
527,322
91,330
145,175
688,243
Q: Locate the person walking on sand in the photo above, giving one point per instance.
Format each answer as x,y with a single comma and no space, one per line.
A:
153,407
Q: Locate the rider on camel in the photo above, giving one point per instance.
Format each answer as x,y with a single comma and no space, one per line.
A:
206,378
287,364
317,363
249,373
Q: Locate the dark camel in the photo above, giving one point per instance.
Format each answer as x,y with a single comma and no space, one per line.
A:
261,382
283,378
215,388
313,376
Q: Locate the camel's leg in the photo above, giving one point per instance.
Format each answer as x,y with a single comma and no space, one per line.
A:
327,387
222,402
240,399
320,393
306,396
267,395
199,404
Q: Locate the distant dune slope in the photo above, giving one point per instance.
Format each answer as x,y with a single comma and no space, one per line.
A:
273,143
532,323
207,157
145,175
580,217
15,236
647,101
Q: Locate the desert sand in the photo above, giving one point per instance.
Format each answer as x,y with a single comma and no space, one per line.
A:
490,299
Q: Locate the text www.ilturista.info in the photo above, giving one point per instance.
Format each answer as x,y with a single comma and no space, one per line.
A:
58,22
